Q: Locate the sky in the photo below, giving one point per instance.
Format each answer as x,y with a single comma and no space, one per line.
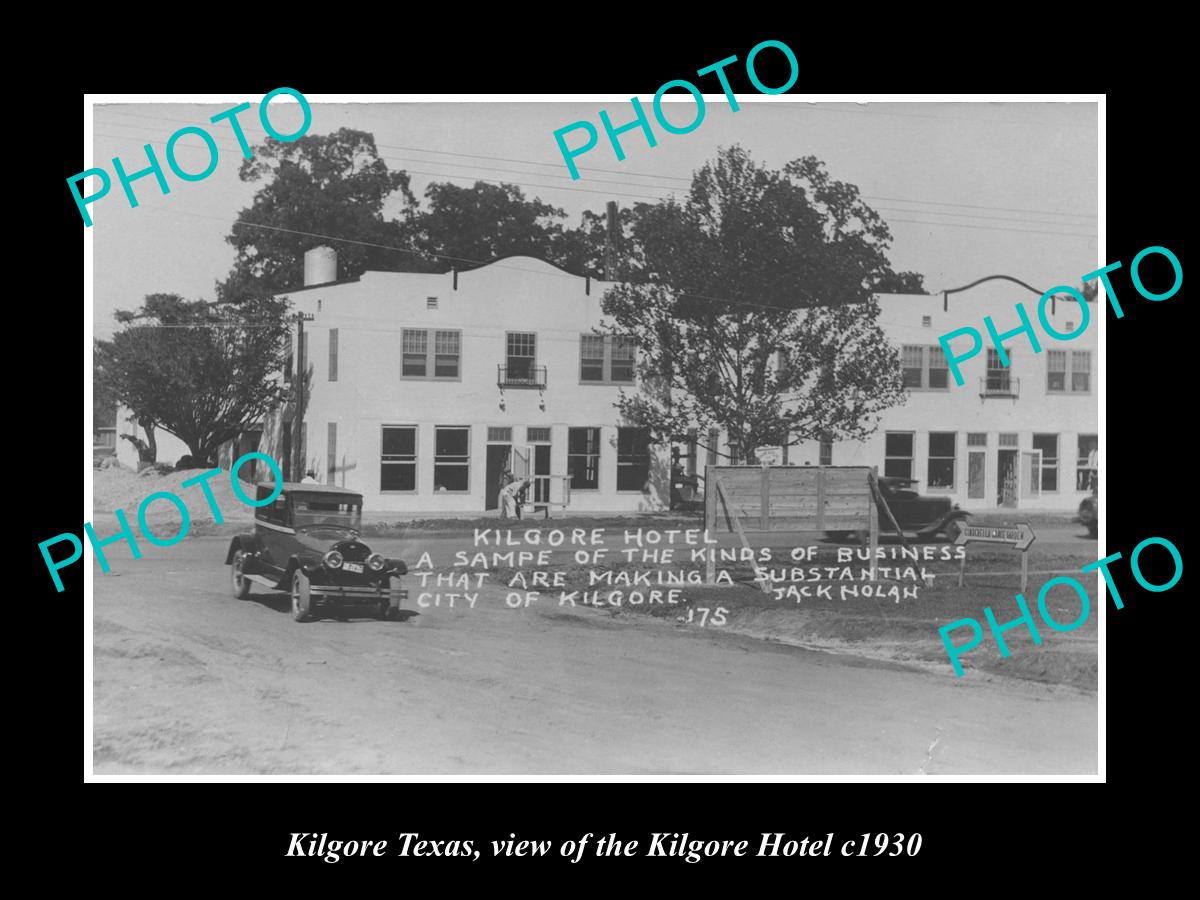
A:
968,189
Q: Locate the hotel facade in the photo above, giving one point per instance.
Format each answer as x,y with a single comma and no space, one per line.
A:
424,388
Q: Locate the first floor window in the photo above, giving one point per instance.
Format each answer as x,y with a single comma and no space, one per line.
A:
941,459
710,457
398,465
451,458
583,458
633,458
1047,477
1085,462
826,453
898,454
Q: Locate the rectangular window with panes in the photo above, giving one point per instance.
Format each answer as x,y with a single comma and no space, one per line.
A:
452,459
519,357
606,358
633,458
898,454
1047,476
398,461
1068,371
583,458
1081,371
1086,469
942,456
924,368
430,354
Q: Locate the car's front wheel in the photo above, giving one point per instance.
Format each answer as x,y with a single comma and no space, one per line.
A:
241,584
301,599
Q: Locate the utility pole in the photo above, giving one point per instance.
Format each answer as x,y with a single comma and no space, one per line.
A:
298,419
611,233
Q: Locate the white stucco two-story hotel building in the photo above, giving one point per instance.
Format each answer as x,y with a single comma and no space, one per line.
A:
425,386
1023,436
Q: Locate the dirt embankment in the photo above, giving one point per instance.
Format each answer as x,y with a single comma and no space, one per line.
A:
117,488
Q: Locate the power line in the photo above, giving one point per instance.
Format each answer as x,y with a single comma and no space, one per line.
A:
445,175
1044,212
550,187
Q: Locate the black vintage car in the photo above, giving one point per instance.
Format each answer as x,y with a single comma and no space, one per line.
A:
926,517
1089,512
306,542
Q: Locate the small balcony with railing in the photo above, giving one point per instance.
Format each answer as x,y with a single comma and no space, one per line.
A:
521,374
999,383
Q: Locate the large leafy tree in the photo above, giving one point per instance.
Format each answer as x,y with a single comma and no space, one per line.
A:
203,372
334,184
463,225
752,308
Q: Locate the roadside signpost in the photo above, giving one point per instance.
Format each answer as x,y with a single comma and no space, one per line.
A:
1018,537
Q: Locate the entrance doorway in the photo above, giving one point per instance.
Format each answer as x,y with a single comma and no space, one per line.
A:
1031,467
1006,477
541,466
976,474
497,461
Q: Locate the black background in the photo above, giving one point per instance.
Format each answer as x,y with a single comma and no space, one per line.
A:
175,835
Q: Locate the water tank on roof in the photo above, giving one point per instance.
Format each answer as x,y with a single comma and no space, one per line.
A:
320,266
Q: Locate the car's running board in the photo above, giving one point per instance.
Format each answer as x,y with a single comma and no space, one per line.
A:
263,580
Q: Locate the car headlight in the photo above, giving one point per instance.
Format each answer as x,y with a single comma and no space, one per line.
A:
375,562
333,559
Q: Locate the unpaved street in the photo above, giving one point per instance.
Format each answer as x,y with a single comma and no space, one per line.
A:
188,679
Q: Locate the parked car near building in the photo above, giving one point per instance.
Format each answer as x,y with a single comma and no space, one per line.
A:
926,517
307,542
1089,512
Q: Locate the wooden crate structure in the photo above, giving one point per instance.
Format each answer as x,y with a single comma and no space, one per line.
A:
762,499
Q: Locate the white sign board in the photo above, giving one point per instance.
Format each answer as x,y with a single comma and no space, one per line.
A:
769,456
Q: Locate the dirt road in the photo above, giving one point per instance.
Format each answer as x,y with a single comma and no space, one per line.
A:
188,679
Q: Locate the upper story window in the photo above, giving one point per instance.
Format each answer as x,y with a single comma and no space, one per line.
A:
520,354
427,353
606,358
924,368
1081,371
999,378
333,354
1068,371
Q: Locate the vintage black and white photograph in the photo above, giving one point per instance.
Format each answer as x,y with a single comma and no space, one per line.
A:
508,437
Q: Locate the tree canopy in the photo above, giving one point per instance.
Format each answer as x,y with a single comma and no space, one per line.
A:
752,307
333,184
203,372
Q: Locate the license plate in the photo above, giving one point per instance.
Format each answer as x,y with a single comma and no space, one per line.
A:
353,567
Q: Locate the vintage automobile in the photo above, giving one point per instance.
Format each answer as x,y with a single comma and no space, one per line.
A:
1089,512
306,543
926,517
